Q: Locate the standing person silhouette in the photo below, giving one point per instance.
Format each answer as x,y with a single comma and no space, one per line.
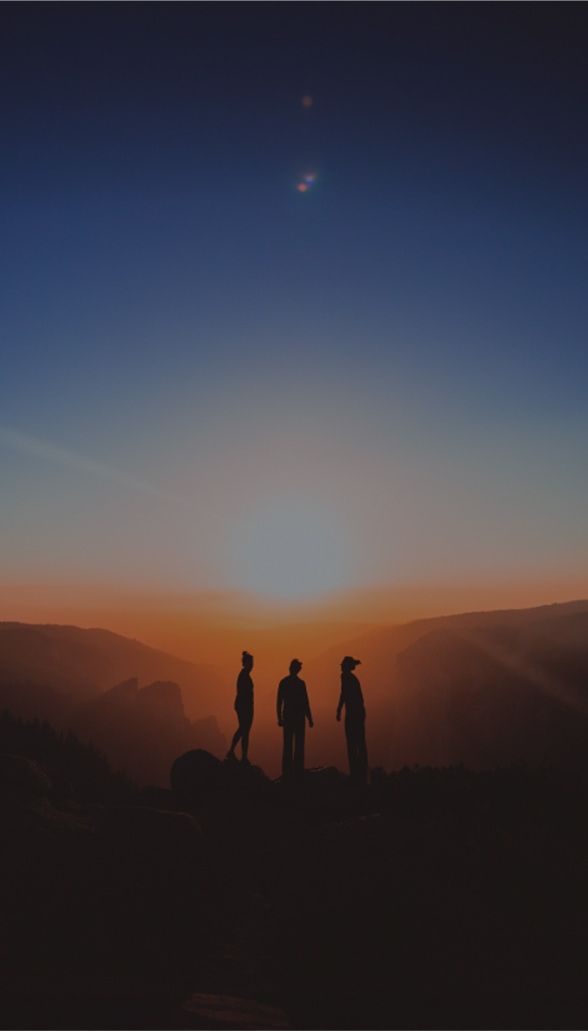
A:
293,711
352,698
243,708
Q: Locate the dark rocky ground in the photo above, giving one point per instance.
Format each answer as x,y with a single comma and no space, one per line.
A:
433,899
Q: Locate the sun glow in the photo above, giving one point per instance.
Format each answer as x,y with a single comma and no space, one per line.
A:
292,550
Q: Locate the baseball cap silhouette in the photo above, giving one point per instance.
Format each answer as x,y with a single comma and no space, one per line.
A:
349,662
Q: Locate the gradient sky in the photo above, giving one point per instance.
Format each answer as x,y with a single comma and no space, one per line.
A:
213,381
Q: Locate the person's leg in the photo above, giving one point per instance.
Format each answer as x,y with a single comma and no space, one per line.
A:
299,745
245,729
236,738
353,748
287,753
350,746
362,756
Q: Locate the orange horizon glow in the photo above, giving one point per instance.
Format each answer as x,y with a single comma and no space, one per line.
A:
199,626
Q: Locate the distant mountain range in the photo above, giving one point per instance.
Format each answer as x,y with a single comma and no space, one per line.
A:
479,688
89,681
483,689
77,663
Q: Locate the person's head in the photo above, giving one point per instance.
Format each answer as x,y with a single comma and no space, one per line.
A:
247,660
348,664
295,666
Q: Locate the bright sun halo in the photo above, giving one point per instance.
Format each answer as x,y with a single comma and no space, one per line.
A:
293,550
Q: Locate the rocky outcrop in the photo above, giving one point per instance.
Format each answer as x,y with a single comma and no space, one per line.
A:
197,777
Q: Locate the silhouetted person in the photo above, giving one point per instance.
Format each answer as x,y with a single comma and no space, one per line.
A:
352,698
243,708
293,712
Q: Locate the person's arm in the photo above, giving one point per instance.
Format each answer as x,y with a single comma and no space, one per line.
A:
307,708
237,693
280,703
340,704
362,699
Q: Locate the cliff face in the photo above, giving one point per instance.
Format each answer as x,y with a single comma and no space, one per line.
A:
140,730
483,689
469,698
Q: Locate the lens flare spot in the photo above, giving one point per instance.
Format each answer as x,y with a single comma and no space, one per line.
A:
306,182
307,100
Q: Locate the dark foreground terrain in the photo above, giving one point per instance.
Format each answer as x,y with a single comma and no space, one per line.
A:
433,899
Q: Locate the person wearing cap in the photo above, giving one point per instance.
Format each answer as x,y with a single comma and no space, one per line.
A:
243,708
351,698
293,712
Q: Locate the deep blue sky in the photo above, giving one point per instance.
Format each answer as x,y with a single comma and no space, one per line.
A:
176,314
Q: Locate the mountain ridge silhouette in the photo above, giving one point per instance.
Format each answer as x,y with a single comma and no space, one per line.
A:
480,688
